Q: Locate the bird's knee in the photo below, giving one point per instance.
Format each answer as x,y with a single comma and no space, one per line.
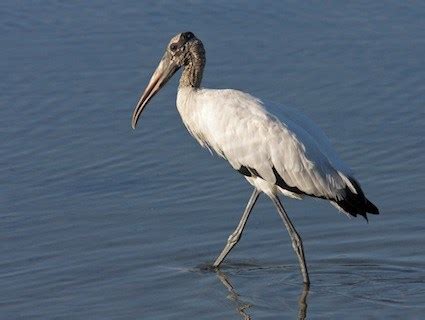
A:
297,244
233,238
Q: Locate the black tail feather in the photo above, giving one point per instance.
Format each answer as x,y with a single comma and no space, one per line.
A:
355,203
371,208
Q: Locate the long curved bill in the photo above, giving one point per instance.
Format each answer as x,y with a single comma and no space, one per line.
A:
162,74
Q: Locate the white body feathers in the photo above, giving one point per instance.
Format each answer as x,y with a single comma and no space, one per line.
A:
238,127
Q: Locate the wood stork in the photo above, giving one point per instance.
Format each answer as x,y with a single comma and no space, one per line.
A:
288,155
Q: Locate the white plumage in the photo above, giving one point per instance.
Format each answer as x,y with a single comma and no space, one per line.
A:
238,127
287,154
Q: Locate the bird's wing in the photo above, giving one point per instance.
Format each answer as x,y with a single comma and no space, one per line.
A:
298,119
281,151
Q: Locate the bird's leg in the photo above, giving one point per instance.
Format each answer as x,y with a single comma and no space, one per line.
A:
297,243
236,235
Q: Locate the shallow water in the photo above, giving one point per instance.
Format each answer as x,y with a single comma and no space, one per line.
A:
102,222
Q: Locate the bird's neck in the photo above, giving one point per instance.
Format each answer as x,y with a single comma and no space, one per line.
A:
194,69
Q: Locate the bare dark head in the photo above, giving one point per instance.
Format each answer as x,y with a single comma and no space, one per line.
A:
184,50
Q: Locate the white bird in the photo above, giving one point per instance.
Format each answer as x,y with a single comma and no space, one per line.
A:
288,155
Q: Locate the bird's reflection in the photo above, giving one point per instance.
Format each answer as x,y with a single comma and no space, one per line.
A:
242,307
302,302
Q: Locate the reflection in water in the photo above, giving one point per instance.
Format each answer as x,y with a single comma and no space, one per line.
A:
302,302
242,307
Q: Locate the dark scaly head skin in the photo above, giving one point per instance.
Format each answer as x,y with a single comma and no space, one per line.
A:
185,47
188,51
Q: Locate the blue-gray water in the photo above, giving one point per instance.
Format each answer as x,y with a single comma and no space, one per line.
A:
98,221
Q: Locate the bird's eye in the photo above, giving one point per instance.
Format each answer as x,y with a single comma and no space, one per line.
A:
173,47
189,35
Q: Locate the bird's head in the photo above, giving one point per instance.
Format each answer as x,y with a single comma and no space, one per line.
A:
183,49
